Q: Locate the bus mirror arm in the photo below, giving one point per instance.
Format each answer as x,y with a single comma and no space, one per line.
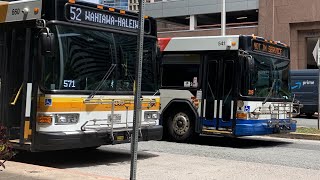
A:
47,43
242,53
245,55
250,61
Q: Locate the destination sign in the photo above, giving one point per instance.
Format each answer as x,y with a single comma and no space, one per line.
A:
91,16
269,48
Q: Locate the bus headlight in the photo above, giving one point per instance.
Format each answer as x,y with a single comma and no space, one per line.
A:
67,119
240,104
151,115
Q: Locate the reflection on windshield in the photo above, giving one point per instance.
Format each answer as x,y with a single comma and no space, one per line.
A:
84,57
270,77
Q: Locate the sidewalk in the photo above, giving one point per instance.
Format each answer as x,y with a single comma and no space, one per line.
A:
22,171
298,136
302,123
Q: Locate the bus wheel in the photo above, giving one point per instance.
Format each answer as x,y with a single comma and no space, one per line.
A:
295,112
309,115
181,126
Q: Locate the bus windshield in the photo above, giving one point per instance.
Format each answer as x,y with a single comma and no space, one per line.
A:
83,57
269,78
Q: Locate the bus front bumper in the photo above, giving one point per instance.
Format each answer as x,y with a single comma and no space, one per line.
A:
263,127
47,141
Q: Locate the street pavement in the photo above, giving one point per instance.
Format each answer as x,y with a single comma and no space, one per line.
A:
210,158
23,171
303,121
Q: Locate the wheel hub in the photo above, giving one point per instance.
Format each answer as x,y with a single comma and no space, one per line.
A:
181,123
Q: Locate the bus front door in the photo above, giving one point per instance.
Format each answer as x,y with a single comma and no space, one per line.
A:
219,93
14,56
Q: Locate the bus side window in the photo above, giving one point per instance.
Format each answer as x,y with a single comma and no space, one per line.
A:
178,69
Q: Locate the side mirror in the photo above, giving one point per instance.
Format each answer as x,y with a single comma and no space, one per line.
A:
47,43
250,61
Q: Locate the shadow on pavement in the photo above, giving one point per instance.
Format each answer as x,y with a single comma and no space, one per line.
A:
79,158
241,143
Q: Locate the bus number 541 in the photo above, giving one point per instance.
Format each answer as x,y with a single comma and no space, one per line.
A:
221,43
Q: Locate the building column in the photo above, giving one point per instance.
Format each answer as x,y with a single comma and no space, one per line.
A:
193,22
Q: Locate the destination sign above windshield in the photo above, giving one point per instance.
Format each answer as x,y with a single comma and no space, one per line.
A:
269,48
91,16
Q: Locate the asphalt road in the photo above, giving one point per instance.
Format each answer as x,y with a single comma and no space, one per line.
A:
307,122
210,158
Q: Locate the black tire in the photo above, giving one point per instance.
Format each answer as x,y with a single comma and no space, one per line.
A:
309,115
180,126
295,112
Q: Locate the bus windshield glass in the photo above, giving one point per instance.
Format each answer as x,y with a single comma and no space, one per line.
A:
83,57
268,78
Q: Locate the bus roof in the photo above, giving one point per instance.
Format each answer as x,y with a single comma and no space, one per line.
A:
199,43
11,11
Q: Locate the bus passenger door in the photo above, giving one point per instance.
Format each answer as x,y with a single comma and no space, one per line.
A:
14,75
219,89
227,93
211,89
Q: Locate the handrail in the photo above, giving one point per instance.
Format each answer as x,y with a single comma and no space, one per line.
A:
17,96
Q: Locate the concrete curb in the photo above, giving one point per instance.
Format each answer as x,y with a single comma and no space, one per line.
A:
298,136
23,171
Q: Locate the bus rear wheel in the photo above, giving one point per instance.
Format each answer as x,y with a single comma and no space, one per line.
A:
309,115
181,126
295,112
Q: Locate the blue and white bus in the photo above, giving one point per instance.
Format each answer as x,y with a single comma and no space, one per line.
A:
227,85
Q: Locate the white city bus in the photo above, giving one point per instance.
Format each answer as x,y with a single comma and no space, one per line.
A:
67,75
226,85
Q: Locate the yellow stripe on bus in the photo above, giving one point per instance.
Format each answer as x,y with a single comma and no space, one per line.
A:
27,130
77,105
3,11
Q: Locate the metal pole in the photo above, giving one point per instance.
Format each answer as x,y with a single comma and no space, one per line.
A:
137,94
273,19
223,18
318,93
317,58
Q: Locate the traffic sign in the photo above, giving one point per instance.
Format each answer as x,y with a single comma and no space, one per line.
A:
316,54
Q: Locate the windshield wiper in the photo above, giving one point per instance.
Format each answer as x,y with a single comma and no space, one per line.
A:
103,80
270,92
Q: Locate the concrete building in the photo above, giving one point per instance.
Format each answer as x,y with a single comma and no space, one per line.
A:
131,5
119,4
134,4
294,22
